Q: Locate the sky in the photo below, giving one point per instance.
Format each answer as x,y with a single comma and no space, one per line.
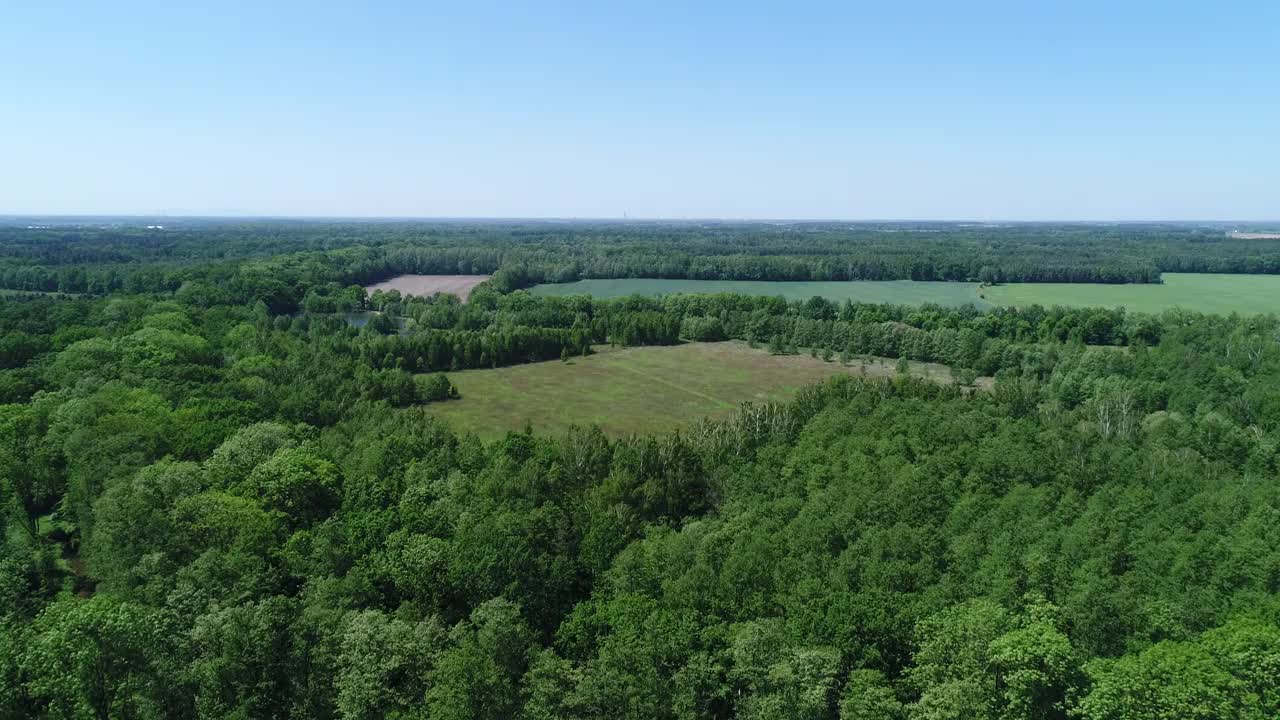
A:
1023,110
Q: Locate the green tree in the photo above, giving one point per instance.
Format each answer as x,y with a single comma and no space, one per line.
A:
868,696
479,676
250,660
102,658
135,541
383,667
296,483
903,367
1169,680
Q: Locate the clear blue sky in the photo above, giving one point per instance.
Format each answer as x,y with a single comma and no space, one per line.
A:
1017,110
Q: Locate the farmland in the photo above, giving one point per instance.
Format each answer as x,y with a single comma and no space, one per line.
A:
899,292
642,389
1202,292
425,285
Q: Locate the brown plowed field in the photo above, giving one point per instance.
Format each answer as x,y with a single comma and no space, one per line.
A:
425,285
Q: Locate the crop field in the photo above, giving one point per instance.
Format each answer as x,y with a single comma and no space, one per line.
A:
643,389
424,285
1202,292
898,292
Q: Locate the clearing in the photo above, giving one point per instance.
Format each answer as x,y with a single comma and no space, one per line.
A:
426,285
1202,292
897,292
642,389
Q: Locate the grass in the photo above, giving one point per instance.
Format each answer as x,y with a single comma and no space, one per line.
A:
899,292
639,390
1202,292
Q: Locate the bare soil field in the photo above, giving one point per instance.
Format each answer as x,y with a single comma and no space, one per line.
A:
425,285
1256,235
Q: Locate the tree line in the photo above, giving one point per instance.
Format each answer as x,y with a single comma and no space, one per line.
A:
103,258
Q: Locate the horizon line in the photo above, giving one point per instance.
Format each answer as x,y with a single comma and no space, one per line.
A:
613,219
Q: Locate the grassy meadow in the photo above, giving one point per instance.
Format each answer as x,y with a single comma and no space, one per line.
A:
1202,292
641,389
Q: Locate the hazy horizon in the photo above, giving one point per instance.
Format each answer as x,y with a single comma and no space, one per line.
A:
988,112
88,217
584,219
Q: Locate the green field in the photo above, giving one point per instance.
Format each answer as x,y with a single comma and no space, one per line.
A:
1202,292
899,292
643,389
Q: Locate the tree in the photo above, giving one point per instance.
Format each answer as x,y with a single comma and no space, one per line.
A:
868,696
976,660
953,664
103,658
296,483
550,685
798,686
1170,679
134,536
383,667
479,676
250,661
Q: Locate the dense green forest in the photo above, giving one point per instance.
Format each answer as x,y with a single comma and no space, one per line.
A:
106,256
222,501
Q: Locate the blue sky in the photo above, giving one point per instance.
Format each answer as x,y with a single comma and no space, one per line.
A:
912,110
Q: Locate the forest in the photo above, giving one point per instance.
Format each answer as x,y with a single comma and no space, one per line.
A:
105,256
220,500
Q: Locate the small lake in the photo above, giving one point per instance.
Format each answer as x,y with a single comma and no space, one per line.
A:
897,292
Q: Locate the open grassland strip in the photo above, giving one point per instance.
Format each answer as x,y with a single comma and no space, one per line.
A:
644,389
675,386
1218,293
